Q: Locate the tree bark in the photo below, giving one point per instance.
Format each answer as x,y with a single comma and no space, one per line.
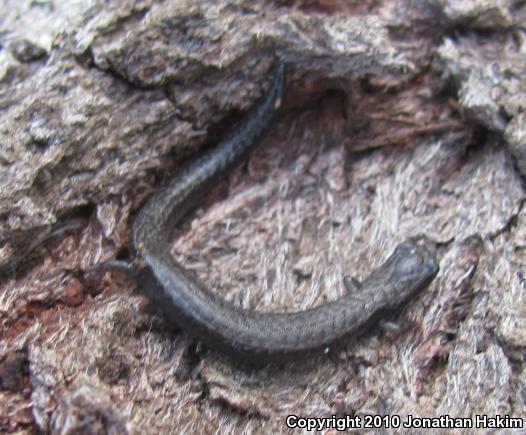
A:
401,118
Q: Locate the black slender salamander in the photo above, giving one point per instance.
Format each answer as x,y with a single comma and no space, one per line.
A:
411,267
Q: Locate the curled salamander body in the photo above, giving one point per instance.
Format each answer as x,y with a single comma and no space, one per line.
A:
221,324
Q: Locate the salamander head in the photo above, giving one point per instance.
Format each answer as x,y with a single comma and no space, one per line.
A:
414,264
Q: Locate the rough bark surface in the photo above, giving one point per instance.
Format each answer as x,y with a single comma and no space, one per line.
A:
401,118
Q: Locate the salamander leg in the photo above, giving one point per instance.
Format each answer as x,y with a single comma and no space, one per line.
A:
129,269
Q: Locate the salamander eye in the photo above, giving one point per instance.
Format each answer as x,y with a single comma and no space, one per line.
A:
406,248
409,264
409,259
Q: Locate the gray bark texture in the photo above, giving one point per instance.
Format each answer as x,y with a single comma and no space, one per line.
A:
401,118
